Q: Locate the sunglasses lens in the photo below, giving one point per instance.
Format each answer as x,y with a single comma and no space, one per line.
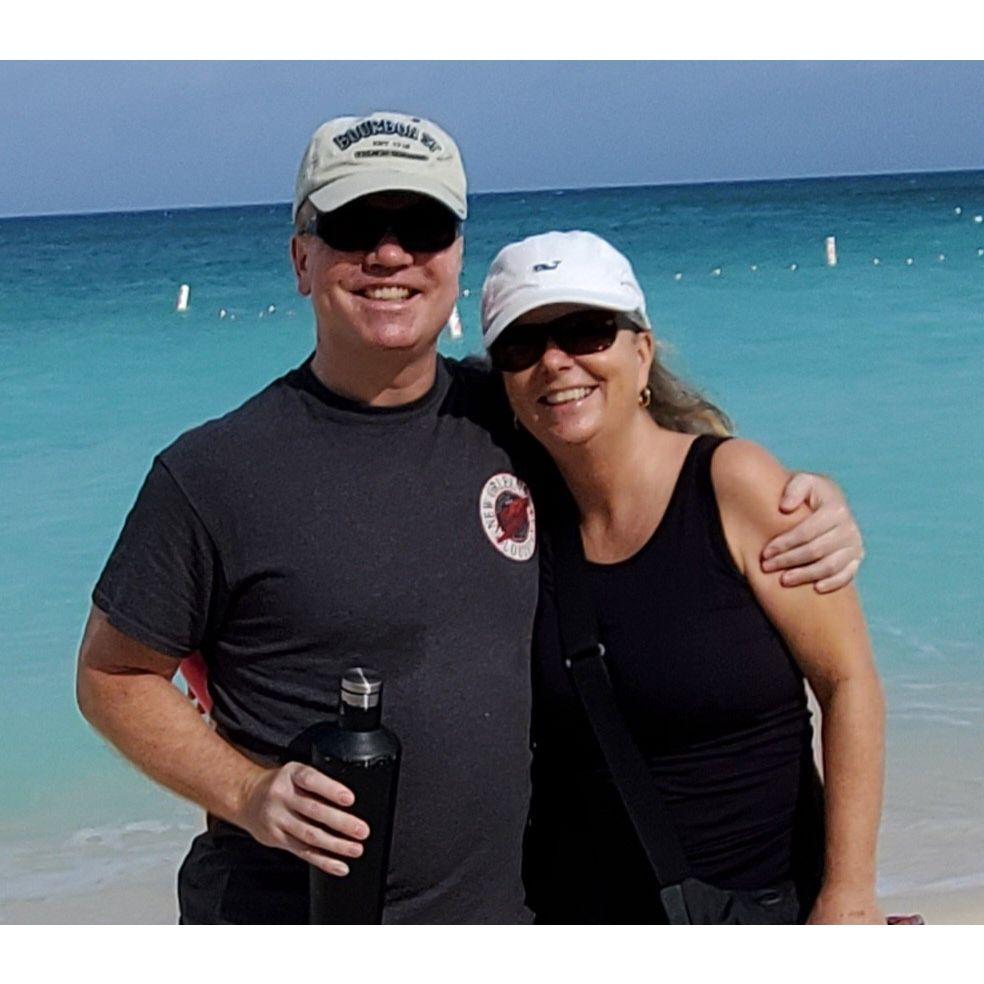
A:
425,227
345,229
585,333
515,351
579,333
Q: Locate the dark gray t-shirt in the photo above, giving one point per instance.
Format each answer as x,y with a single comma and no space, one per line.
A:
302,534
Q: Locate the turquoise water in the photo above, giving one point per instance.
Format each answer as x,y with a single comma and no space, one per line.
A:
870,372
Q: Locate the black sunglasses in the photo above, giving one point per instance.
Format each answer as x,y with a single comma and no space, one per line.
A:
426,226
578,333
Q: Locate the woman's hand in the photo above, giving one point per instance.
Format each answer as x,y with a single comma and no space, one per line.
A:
845,907
826,547
294,808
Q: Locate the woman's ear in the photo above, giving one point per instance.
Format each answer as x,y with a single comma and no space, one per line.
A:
645,349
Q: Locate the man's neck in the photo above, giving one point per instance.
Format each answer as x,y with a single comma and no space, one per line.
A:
379,378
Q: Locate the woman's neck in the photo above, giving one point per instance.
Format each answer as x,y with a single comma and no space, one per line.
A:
621,485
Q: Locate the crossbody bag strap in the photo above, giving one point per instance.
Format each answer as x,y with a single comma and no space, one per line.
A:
584,660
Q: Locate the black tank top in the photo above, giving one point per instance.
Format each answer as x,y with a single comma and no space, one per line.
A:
716,704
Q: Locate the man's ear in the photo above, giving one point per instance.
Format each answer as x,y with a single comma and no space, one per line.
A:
300,258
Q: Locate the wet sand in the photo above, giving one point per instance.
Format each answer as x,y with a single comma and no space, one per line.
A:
147,899
150,899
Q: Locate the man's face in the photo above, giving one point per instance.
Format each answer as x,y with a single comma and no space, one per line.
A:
381,298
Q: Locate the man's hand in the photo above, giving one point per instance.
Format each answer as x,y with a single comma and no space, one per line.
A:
291,808
826,547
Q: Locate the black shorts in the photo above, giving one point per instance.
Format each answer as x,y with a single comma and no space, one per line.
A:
228,877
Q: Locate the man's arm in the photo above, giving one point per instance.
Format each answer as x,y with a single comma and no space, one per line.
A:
825,547
124,690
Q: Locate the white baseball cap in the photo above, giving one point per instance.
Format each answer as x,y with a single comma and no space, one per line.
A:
558,268
352,156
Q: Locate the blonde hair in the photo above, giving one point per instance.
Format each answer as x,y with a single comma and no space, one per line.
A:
678,406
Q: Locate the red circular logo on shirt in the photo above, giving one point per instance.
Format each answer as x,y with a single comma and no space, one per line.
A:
508,517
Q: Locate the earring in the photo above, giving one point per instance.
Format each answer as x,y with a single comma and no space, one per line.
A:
646,397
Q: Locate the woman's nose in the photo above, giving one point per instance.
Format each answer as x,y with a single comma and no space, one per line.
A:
554,357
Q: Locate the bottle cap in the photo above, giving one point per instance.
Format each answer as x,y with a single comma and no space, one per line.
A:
361,687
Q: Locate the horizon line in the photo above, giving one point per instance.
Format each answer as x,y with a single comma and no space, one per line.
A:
509,191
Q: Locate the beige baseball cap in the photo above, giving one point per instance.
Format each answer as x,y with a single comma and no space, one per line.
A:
351,156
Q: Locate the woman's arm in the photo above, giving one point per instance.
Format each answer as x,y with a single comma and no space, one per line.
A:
828,638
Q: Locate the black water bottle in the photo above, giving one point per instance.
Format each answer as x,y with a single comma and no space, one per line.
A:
360,753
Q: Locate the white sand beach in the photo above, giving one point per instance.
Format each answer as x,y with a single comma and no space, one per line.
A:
148,897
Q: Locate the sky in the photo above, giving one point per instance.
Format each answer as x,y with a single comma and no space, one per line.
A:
118,135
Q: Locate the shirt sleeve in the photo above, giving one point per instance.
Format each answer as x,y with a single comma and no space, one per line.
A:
163,583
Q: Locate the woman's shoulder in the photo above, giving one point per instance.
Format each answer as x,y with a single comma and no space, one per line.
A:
739,465
749,482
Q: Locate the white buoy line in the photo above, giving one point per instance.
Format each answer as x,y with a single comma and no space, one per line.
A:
978,218
454,322
224,314
182,302
830,259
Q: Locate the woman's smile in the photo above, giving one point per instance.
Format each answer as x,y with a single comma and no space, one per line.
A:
565,397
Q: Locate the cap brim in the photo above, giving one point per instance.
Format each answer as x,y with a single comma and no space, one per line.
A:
529,300
346,189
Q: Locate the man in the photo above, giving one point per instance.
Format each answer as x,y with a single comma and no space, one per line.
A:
362,509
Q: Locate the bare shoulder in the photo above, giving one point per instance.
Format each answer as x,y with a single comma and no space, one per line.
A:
749,482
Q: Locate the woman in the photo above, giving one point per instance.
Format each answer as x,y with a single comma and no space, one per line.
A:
706,652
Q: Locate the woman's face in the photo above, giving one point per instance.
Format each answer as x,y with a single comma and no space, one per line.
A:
572,399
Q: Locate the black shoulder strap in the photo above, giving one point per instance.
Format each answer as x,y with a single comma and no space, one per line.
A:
584,659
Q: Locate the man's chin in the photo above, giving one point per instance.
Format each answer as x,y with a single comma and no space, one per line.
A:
401,338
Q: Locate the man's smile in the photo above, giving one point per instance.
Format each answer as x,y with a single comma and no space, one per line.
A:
388,292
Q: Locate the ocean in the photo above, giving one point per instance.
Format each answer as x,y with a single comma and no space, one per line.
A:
871,371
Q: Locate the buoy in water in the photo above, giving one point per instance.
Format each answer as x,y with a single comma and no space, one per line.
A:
942,257
184,292
466,293
958,211
678,276
980,252
271,309
909,261
454,323
979,219
753,267
830,249
222,312
794,267
716,272
876,261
